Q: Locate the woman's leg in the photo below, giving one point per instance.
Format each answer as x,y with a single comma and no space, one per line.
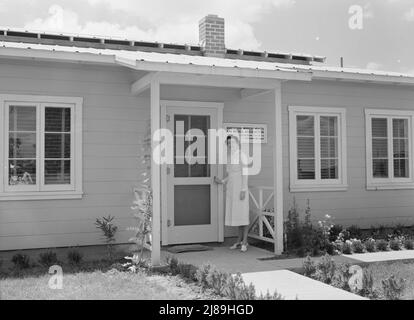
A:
240,236
245,232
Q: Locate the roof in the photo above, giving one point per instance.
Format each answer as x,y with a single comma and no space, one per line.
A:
182,62
133,45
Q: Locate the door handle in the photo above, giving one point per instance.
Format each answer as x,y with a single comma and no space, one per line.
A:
168,223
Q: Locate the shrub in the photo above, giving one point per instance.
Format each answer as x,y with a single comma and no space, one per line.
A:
346,247
48,258
370,245
74,257
382,245
409,244
325,269
342,276
357,246
368,285
109,230
21,261
395,244
393,288
223,284
309,267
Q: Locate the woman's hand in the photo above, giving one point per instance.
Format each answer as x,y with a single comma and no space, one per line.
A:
242,195
218,180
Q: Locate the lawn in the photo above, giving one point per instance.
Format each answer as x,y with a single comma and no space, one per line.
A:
405,270
98,285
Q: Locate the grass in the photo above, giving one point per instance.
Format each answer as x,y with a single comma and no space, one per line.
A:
96,280
405,270
111,285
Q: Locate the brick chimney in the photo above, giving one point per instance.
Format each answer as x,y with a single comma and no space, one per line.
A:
212,36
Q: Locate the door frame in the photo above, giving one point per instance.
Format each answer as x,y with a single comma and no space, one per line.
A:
220,197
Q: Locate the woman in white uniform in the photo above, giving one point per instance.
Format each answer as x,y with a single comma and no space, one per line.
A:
237,198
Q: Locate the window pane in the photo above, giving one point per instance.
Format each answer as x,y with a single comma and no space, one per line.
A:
379,127
329,126
57,145
57,171
22,118
22,145
401,168
380,168
306,147
329,147
305,126
400,147
306,169
22,172
329,169
379,148
57,119
400,128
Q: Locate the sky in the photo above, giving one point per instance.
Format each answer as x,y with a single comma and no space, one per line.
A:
383,40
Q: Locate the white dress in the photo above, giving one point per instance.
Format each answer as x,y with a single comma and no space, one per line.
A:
237,211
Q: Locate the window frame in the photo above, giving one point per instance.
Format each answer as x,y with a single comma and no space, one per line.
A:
390,182
318,184
41,190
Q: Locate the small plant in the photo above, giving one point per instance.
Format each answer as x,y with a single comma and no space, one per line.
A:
74,257
48,258
395,244
342,276
409,244
325,269
357,246
309,267
370,245
308,215
393,288
346,247
21,261
109,231
368,285
382,245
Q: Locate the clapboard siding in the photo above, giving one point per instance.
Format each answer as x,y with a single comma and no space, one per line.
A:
356,205
114,125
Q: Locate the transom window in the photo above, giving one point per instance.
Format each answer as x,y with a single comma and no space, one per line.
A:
42,154
317,148
389,149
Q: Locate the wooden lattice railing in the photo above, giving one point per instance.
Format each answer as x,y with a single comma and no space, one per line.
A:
262,226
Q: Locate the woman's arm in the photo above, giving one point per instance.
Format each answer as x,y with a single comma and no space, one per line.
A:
221,181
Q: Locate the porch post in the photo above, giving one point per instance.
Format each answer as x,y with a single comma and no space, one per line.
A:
278,170
155,174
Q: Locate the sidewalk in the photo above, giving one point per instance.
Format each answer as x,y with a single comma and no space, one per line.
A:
293,286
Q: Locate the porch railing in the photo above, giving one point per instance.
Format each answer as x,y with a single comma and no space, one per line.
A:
263,225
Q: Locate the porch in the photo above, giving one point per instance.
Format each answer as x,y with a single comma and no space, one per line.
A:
234,93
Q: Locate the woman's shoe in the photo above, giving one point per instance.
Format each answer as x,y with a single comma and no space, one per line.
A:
235,246
244,248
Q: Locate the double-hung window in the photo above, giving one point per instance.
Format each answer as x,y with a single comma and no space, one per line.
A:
389,145
317,149
42,139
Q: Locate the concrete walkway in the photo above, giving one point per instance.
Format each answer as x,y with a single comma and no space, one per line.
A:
293,286
234,261
383,256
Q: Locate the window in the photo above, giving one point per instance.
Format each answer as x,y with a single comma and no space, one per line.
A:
389,145
317,149
43,143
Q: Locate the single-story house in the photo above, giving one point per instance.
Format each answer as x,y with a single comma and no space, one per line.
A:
74,112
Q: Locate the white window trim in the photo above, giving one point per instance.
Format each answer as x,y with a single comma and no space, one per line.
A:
388,183
74,191
339,184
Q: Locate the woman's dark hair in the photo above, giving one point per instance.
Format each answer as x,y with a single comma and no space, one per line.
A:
232,137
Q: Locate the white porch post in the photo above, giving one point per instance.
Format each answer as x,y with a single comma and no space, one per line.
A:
155,174
278,170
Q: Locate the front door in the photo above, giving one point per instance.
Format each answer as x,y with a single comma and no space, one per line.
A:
191,195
